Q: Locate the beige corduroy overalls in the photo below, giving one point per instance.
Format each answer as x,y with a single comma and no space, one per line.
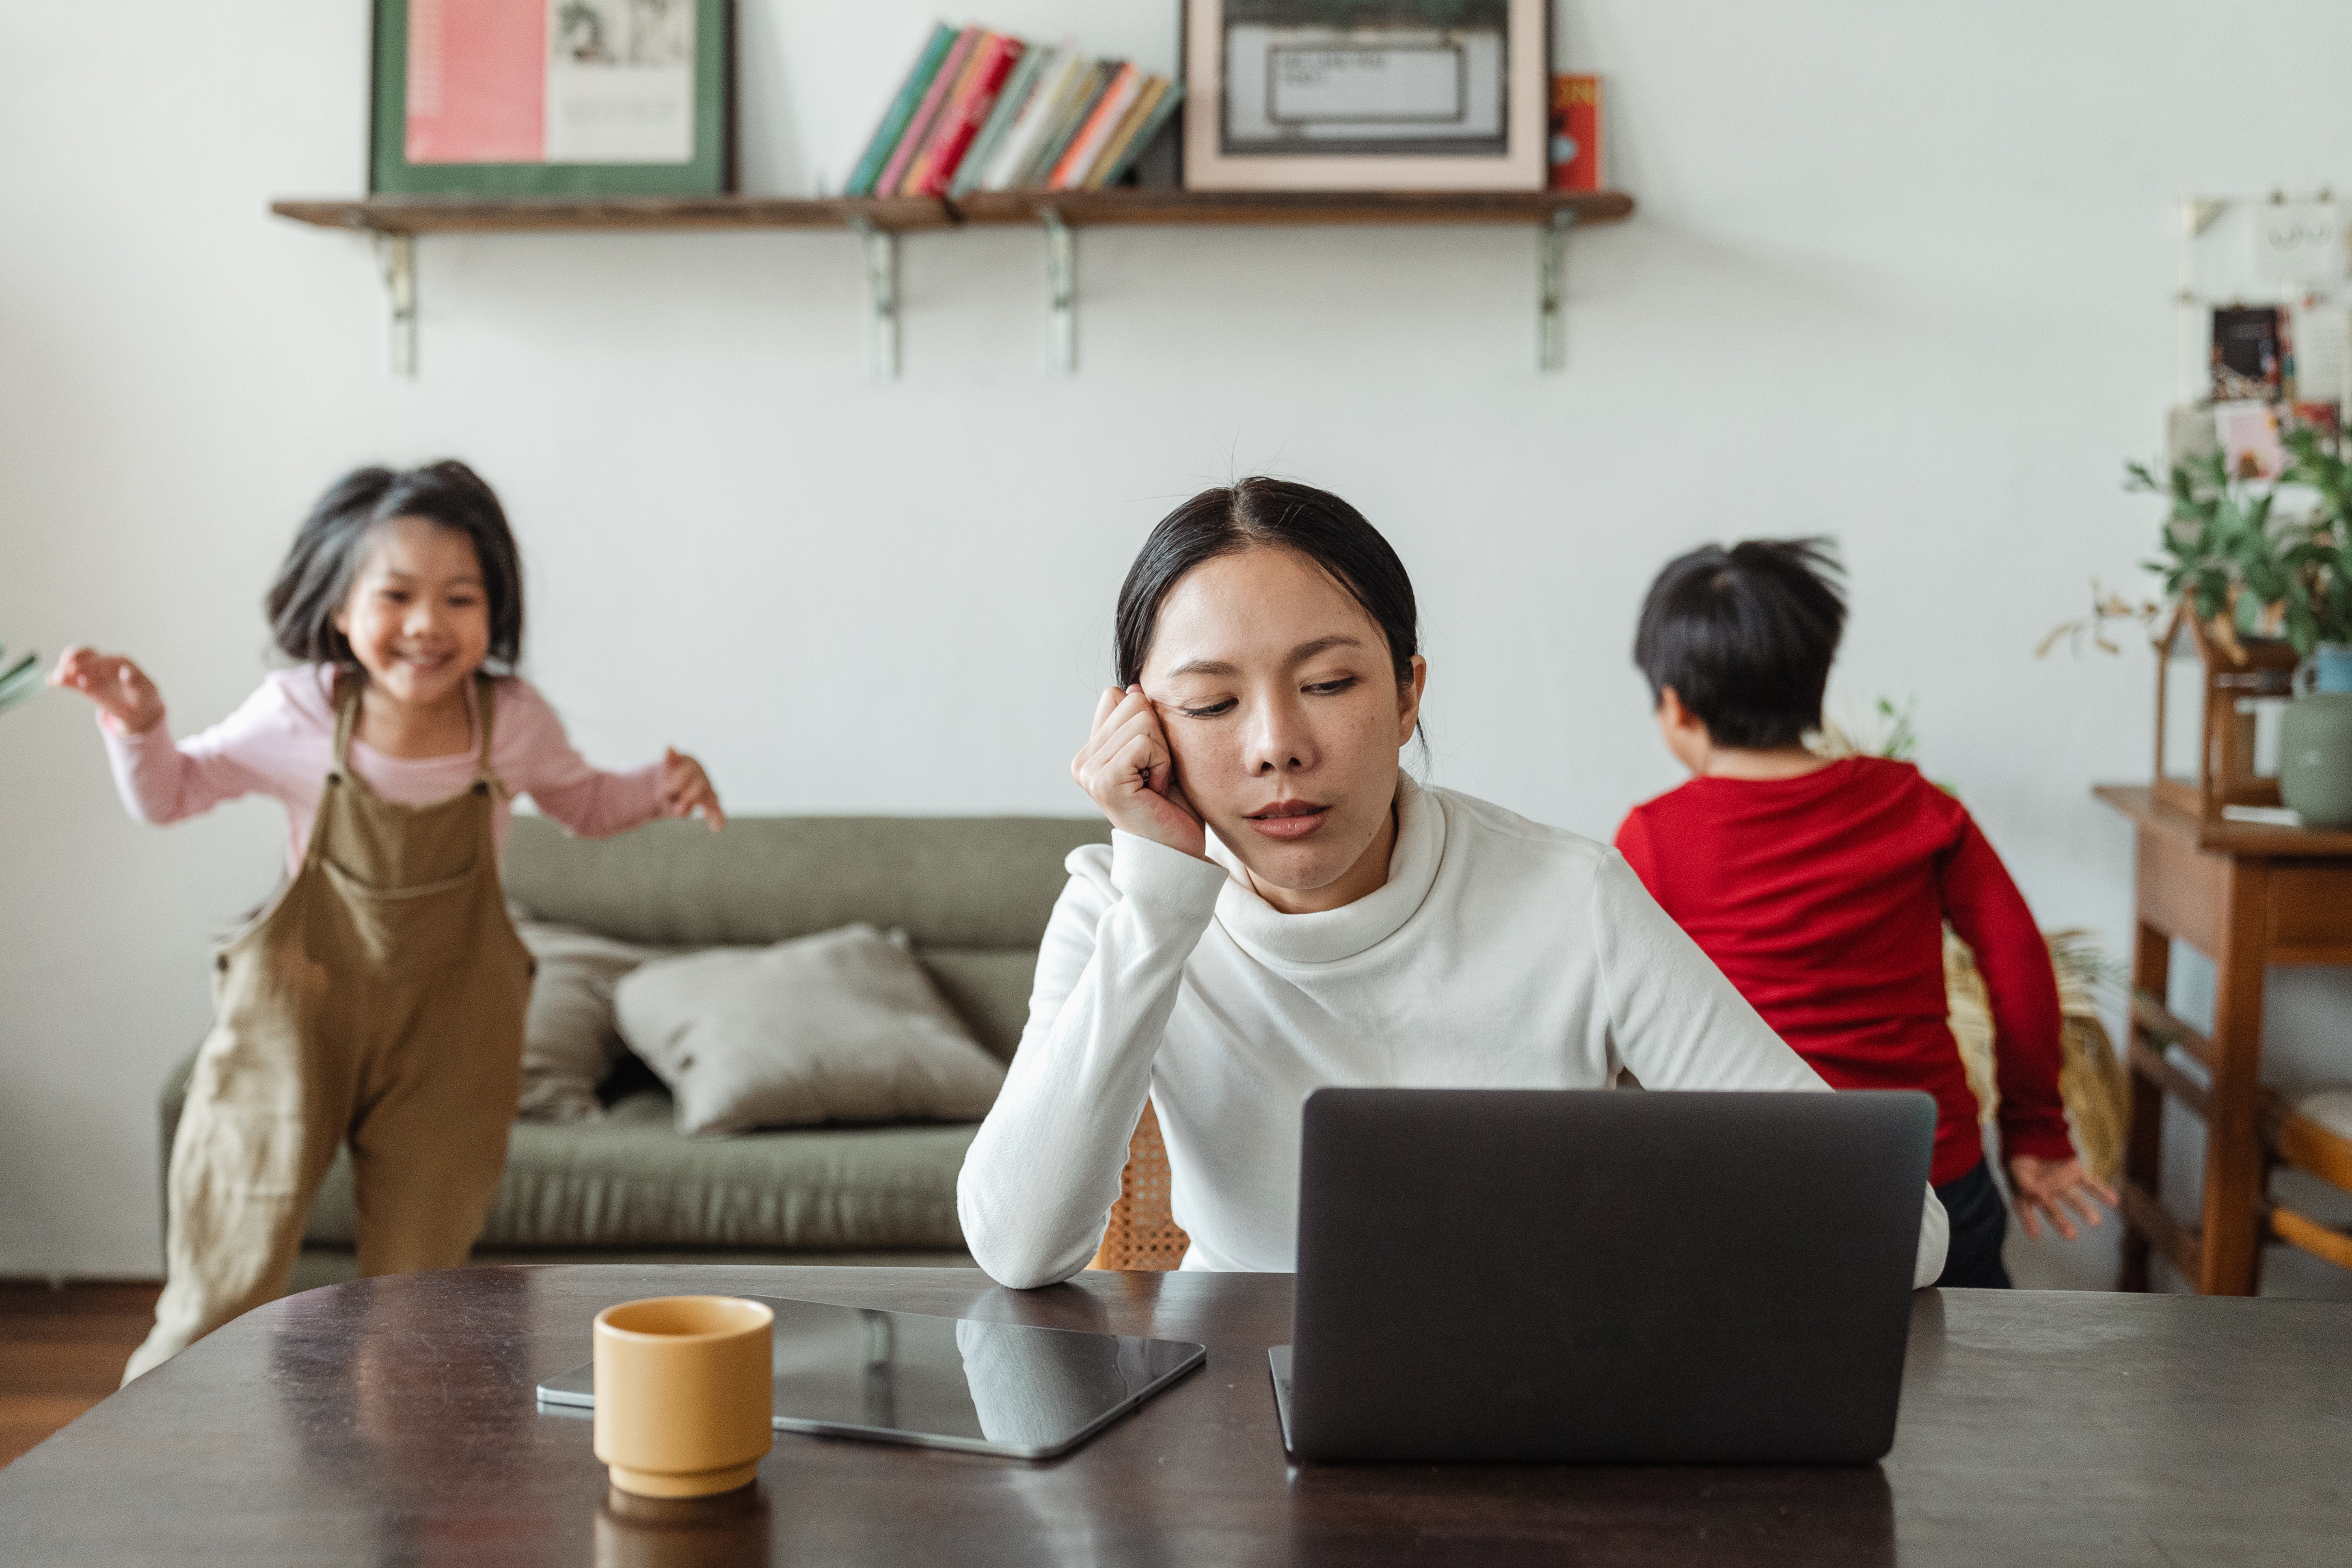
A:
379,998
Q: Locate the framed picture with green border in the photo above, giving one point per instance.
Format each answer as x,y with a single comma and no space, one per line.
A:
528,98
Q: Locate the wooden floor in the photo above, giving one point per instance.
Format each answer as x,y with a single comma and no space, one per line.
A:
62,1351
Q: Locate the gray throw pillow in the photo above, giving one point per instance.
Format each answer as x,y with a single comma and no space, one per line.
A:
839,1027
569,1045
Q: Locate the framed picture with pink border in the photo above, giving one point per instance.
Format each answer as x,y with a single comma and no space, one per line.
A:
1354,95
503,97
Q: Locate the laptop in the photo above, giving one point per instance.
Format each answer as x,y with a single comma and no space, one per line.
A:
1603,1276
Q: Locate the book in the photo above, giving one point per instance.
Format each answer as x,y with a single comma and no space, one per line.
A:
927,112
1146,134
961,120
1047,108
950,105
1115,144
1575,133
1069,119
902,108
1009,104
1100,120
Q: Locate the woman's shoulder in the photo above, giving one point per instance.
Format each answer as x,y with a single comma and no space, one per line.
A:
1490,837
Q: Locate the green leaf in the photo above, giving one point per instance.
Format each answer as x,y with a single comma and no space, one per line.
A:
20,680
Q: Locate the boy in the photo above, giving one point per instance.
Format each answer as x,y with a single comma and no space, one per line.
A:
1821,888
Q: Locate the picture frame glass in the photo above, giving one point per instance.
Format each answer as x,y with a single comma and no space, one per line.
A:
552,97
1365,76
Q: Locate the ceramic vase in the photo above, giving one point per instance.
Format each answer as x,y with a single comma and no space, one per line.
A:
2315,740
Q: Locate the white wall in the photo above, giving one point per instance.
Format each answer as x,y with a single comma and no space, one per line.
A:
1899,273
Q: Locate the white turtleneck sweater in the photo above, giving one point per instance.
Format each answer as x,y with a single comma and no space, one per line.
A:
1501,954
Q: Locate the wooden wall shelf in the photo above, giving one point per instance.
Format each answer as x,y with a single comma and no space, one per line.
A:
395,221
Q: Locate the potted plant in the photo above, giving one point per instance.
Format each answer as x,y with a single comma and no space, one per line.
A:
2258,591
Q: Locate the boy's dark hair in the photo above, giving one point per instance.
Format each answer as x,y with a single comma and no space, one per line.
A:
332,544
1745,638
1221,522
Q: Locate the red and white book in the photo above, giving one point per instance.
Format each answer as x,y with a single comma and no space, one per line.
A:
964,115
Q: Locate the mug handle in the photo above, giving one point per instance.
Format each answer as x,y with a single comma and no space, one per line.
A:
2305,679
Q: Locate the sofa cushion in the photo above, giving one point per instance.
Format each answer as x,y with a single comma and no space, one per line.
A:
569,1043
631,1181
839,1027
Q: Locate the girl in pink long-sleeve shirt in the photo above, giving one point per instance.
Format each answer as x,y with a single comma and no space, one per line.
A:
379,998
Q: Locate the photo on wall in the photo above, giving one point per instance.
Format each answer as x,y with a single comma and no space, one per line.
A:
1366,94
553,98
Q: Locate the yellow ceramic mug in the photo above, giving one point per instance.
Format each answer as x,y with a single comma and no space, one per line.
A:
683,1400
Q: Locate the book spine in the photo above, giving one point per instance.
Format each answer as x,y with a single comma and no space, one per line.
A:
1083,96
1146,134
1029,133
1017,87
1123,132
1080,154
1576,131
902,108
918,128
950,105
963,121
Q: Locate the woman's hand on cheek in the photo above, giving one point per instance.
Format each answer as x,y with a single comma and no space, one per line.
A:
1129,770
686,789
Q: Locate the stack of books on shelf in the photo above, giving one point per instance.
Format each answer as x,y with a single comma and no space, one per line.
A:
984,111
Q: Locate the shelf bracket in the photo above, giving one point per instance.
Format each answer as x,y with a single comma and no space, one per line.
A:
882,295
1061,284
1551,263
396,254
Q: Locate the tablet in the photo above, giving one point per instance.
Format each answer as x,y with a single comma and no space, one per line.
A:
943,1383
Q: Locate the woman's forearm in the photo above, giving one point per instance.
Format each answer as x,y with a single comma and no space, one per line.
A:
1044,1169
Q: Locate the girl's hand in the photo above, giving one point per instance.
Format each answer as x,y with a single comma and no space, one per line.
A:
120,688
1126,767
686,789
2047,1188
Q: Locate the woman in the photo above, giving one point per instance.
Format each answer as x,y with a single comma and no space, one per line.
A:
1281,907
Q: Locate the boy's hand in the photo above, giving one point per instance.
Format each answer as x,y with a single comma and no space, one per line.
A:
2048,1188
686,789
120,688
1129,770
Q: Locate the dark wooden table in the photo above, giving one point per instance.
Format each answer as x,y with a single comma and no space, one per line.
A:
392,1421
2248,896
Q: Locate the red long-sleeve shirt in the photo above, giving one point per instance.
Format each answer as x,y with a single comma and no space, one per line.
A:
1823,899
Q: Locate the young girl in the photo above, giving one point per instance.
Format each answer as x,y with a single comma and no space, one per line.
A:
379,998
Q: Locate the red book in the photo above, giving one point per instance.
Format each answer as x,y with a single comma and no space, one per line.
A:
1576,134
964,116
919,129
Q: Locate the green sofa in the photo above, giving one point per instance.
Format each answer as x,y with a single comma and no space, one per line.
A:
973,893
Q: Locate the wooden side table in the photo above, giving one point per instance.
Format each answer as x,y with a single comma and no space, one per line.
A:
2248,897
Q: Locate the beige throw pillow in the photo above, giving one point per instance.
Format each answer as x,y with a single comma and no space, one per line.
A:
569,1045
839,1027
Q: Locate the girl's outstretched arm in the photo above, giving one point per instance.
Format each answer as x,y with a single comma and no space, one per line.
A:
534,757
163,781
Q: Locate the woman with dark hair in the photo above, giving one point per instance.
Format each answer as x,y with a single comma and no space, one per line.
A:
378,1000
1282,908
